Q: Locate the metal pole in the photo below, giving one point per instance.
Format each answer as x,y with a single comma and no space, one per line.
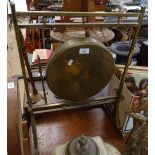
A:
42,79
90,106
17,33
90,102
43,37
86,24
25,57
128,63
19,45
76,14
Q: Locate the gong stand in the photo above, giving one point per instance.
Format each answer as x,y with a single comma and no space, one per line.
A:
88,103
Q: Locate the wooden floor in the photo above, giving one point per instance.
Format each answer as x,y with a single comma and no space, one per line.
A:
57,128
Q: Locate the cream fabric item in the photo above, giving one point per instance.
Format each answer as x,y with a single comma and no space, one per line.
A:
105,148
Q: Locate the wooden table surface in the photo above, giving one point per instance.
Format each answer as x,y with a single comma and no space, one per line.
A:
57,128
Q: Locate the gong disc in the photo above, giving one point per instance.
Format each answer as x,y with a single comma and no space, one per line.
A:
79,69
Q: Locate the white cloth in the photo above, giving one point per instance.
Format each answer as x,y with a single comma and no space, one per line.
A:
105,148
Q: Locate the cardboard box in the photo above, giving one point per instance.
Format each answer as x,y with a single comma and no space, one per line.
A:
129,101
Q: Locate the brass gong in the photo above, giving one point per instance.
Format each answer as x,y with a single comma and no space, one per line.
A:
79,69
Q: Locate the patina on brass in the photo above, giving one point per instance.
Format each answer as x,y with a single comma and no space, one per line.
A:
82,146
79,69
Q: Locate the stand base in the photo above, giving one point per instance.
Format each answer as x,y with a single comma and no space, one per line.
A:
35,98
